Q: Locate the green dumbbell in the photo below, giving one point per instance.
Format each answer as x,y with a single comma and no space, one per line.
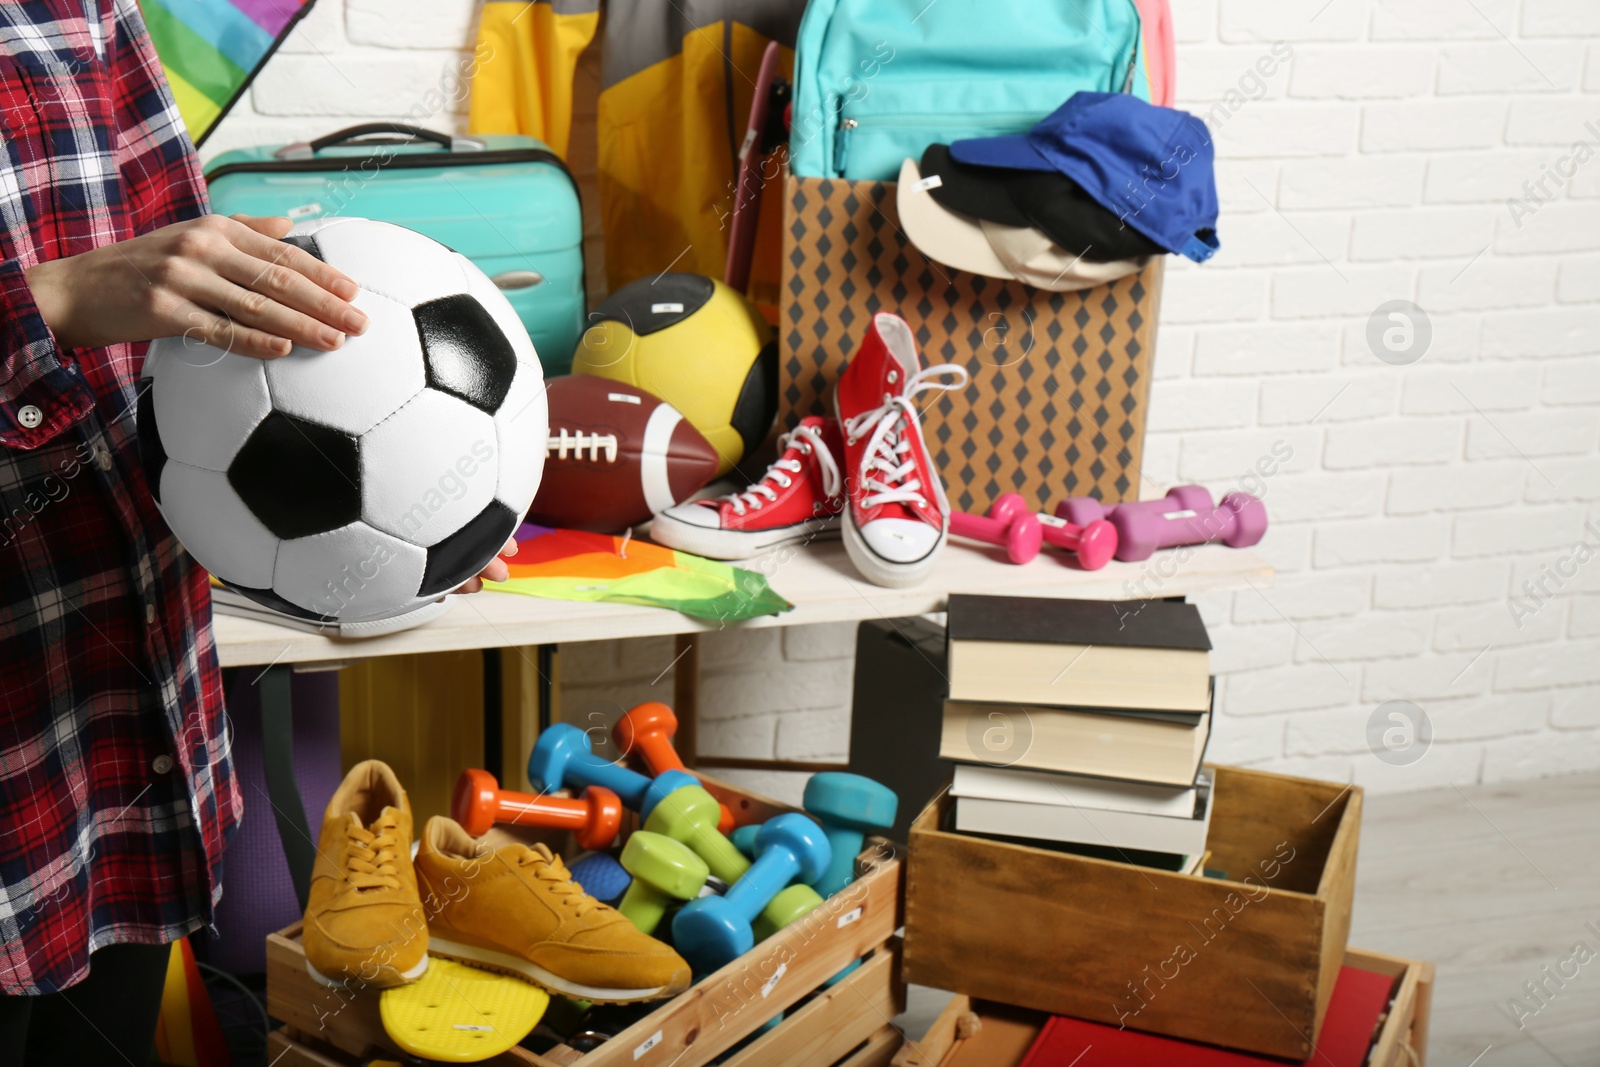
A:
689,815
790,905
663,870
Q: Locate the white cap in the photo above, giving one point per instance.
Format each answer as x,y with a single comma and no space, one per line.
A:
989,248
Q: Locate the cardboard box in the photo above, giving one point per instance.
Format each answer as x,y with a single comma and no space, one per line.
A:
1005,1033
700,1024
1060,381
1229,962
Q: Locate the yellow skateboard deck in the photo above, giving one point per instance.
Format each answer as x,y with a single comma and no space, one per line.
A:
460,1014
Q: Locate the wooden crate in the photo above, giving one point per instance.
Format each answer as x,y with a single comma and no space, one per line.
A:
1219,961
1402,1039
713,1015
844,1025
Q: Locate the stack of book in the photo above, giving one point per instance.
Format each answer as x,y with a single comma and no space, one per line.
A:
1081,725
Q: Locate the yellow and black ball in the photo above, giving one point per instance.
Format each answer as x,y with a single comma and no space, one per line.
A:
695,343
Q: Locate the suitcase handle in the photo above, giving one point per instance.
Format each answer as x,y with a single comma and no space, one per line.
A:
351,134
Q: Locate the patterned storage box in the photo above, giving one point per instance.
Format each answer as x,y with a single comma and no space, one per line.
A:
1060,381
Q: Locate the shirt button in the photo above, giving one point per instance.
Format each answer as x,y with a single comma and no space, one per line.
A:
103,457
30,416
150,614
161,764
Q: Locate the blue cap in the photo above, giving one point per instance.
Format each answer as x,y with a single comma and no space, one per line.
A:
1150,166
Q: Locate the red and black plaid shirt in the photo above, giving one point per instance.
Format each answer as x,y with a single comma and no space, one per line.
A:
116,790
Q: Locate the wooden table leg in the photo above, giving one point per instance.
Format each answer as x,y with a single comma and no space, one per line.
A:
686,696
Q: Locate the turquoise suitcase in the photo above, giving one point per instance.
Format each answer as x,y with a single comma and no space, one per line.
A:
506,202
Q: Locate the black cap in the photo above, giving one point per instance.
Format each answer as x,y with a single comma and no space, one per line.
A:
978,192
1075,220
1048,201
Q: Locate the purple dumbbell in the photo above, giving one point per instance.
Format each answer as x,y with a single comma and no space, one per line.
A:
1185,516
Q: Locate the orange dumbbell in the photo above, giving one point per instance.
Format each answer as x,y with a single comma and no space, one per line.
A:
647,729
595,818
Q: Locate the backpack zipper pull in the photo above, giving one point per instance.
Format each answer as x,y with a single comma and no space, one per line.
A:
841,145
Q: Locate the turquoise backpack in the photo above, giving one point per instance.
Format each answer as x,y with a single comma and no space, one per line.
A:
877,81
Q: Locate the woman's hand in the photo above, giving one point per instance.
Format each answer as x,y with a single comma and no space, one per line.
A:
496,571
230,282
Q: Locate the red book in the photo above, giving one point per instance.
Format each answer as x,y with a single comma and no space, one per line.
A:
1359,998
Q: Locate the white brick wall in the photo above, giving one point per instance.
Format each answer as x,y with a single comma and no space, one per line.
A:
1433,490
1375,158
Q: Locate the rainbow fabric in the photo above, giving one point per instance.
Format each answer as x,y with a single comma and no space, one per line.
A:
211,49
571,565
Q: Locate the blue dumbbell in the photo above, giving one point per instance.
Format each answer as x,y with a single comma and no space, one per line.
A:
563,757
601,876
849,807
711,931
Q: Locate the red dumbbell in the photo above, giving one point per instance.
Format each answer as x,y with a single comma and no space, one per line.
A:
1009,523
1094,544
595,818
648,729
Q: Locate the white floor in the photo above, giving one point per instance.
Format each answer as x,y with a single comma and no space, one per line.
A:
1492,883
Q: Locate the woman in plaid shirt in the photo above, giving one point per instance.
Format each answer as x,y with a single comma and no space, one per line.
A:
117,795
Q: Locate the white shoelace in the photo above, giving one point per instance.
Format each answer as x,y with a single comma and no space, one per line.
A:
563,441
886,465
810,443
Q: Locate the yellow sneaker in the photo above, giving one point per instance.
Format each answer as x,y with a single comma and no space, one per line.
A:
364,923
517,910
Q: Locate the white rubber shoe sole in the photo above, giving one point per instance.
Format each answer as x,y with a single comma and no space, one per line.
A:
737,544
333,983
521,968
879,571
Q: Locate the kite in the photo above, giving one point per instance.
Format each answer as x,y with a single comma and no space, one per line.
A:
211,49
573,565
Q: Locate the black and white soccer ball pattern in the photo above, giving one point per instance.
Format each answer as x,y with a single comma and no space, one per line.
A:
362,483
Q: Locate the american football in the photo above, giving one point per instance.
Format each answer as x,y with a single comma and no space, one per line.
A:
616,456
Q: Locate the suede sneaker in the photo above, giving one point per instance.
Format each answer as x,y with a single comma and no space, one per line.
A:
516,909
364,923
798,500
897,517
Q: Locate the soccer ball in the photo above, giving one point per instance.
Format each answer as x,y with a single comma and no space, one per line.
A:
362,483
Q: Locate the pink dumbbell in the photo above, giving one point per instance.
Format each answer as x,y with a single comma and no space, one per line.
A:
1185,516
1009,524
1094,543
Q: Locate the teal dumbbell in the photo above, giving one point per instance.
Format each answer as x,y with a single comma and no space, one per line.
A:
849,807
744,839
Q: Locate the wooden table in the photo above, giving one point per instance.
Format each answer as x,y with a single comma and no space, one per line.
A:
818,579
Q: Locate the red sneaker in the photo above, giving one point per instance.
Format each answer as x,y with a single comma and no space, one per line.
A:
798,499
898,517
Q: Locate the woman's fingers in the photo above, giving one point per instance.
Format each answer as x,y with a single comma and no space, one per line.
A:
496,571
219,331
265,243
256,310
286,286
274,226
